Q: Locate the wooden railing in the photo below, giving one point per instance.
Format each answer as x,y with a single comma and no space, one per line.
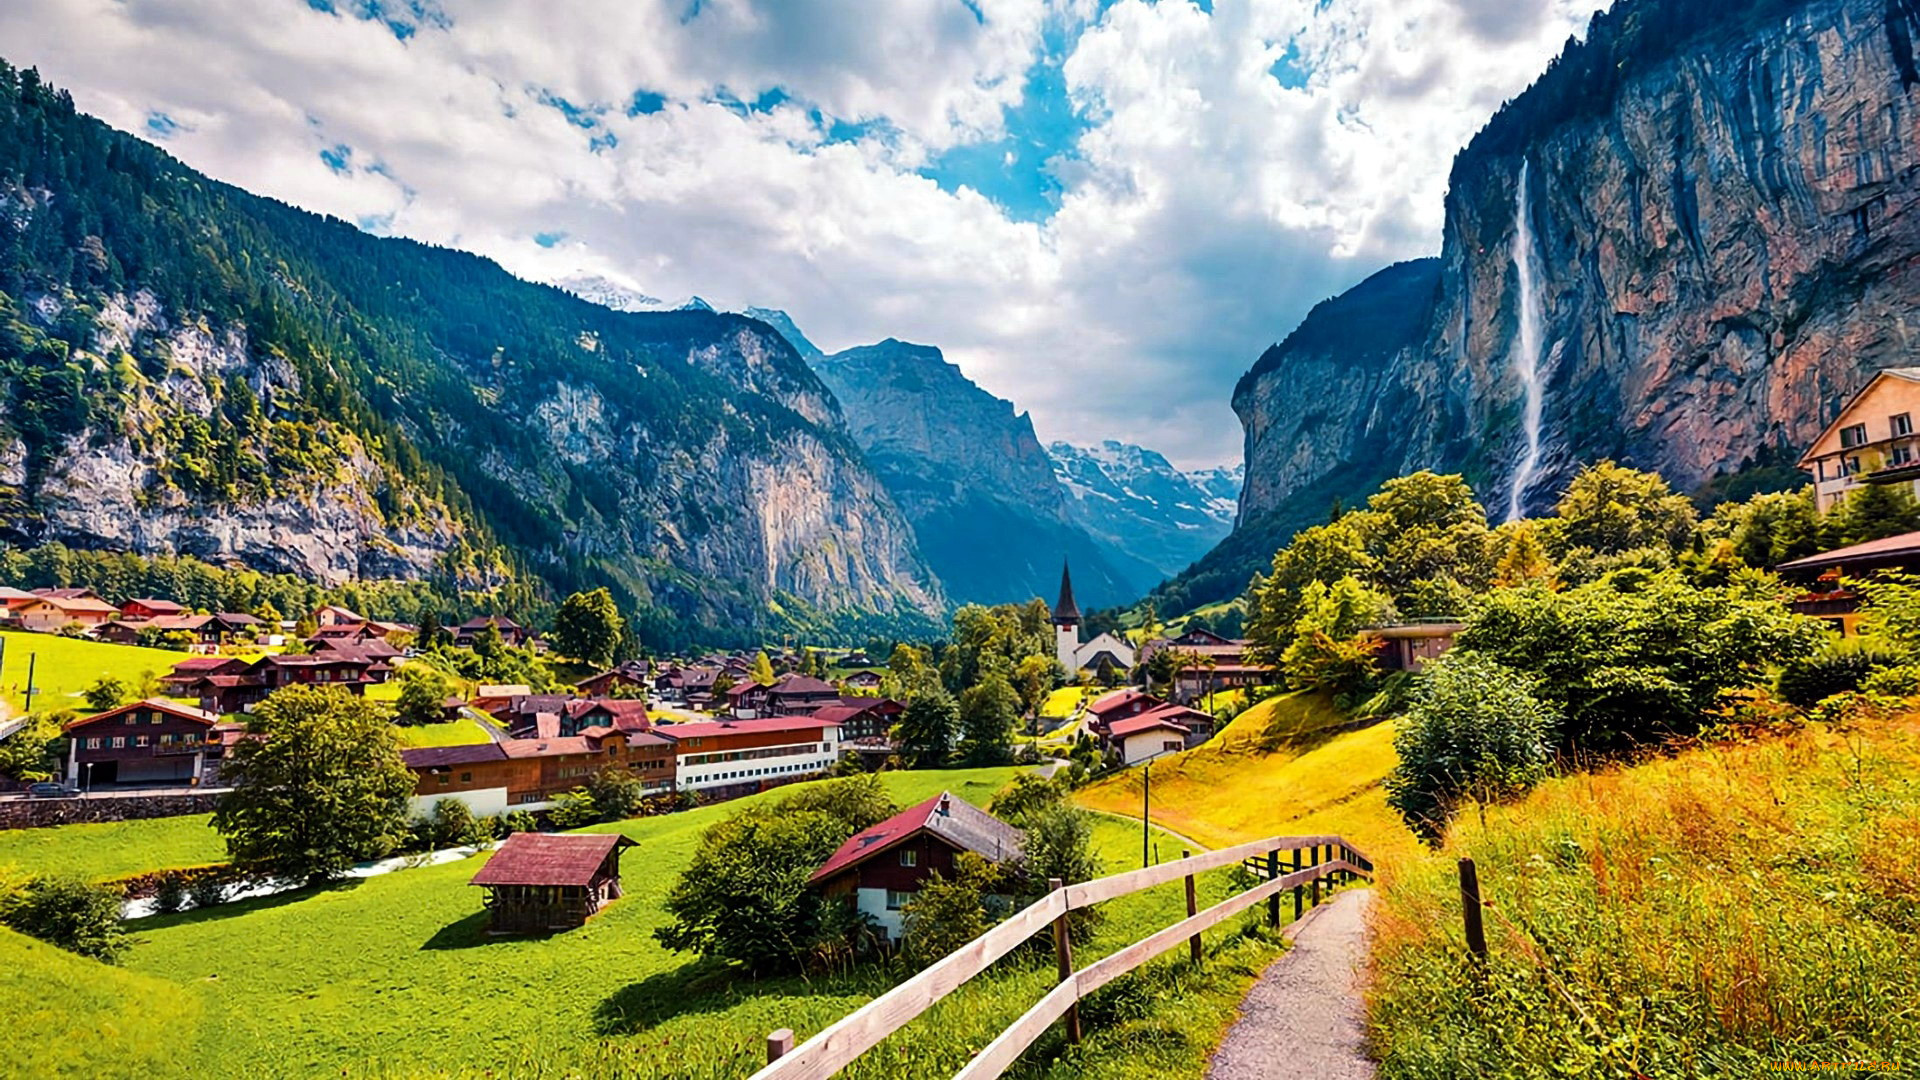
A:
839,1044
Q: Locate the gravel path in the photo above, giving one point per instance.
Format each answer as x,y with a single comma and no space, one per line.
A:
1303,1017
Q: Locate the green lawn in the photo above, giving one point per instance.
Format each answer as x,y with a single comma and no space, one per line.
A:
63,667
392,976
113,849
461,732
80,1018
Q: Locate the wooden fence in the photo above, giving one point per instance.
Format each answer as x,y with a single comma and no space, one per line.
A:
1331,858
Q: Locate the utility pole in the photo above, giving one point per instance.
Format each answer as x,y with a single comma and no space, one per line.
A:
31,657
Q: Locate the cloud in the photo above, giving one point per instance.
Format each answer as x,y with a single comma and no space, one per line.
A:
1103,211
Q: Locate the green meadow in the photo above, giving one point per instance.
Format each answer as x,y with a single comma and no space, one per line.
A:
112,849
394,976
63,667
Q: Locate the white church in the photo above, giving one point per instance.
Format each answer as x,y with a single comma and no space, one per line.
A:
1105,652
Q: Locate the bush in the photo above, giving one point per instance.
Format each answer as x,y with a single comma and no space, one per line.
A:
70,913
208,890
169,893
1025,798
514,821
1058,843
1898,682
1836,668
572,810
1474,730
949,912
454,825
616,793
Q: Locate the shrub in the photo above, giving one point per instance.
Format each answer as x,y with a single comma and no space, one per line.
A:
169,893
1022,800
70,913
1058,843
1835,668
208,890
454,825
949,912
572,810
1899,682
514,821
616,793
1474,730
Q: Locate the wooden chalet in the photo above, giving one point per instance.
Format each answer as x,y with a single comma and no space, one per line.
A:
861,718
53,610
630,676
146,607
511,632
879,869
1163,729
1824,577
492,778
152,742
863,680
798,695
539,882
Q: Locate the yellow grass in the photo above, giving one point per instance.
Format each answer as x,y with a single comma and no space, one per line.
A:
1232,789
1062,702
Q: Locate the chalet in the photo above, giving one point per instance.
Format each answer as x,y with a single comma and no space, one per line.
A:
1122,718
1102,711
376,649
1824,576
512,633
863,680
630,677
490,698
335,615
521,713
146,607
15,599
51,613
70,593
525,774
1413,645
152,742
620,714
879,869
746,700
180,681
797,695
230,691
1871,441
861,718
539,882
1141,738
749,755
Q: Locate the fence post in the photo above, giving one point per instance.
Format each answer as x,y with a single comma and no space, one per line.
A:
1299,891
1470,905
1193,943
779,1045
1063,953
1316,876
1273,902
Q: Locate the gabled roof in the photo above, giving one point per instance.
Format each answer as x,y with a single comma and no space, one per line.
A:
1909,374
958,822
67,594
171,708
162,607
803,684
1107,703
549,859
544,747
77,604
502,690
440,757
1146,721
1886,549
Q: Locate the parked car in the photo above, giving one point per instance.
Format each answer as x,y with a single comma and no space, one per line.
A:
47,789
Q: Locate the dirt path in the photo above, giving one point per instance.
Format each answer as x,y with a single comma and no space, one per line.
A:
1194,845
1303,1018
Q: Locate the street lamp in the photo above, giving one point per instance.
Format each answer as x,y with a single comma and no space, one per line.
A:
86,778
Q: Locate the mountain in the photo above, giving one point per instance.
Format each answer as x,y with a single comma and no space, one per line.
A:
188,367
992,518
783,323
1695,231
606,292
1135,500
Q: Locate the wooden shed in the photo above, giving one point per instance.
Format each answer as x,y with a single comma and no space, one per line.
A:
538,882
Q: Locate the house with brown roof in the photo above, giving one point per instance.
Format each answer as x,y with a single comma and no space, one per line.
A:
879,869
51,611
511,632
525,774
230,690
148,743
538,882
797,695
630,676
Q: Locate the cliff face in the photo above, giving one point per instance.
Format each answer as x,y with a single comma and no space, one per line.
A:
991,517
1723,244
228,376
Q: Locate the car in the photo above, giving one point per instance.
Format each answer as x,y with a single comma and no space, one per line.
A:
46,789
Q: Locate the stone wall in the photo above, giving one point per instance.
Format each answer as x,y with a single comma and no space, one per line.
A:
43,813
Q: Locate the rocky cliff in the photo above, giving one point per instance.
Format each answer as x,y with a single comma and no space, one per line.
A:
992,519
187,367
1716,244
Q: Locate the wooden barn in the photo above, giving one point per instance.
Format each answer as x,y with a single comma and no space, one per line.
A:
538,882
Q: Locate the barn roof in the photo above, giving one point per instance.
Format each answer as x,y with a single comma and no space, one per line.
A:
549,859
171,708
957,821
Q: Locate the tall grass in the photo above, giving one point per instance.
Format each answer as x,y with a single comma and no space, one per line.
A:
1709,915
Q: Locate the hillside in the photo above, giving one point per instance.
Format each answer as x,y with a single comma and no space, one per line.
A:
188,367
76,1017
1710,914
1275,770
993,520
1716,254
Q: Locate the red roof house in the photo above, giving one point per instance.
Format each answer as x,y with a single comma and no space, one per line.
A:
538,882
880,868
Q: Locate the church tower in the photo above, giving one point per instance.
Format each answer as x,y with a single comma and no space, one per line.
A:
1066,624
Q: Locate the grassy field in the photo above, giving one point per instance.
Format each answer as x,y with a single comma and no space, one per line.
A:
63,667
461,732
393,976
83,1019
113,849
1061,703
1273,770
1704,915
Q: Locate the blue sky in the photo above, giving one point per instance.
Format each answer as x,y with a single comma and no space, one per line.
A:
1101,209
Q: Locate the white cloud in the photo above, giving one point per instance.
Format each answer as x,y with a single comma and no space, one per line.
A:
1205,207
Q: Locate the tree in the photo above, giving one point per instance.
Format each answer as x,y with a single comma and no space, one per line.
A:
1524,562
317,786
617,793
947,912
988,713
1034,677
430,631
1022,800
31,753
75,915
453,825
105,692
1609,509
762,671
1877,511
1474,729
589,628
744,896
488,644
925,730
424,691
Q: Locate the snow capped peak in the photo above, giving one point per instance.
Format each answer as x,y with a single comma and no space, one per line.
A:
608,293
1135,496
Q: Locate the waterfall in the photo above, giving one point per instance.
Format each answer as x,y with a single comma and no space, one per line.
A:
1526,347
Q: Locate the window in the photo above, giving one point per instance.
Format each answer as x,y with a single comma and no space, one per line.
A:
1170,745
119,741
93,743
1901,423
445,779
129,720
466,777
139,740
896,899
1852,436
155,720
909,857
1902,455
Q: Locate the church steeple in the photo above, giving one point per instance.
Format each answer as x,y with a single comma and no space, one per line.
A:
1066,612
